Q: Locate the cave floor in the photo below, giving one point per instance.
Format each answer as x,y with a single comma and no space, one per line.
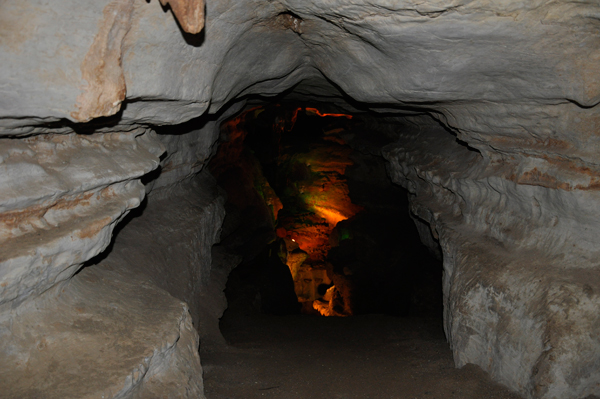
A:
370,356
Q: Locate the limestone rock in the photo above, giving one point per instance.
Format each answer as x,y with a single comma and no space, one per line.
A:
518,287
171,241
189,13
61,197
108,333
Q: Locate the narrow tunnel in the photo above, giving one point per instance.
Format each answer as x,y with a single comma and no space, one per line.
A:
321,230
299,191
286,199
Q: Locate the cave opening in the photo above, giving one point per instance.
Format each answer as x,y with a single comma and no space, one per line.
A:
320,226
320,229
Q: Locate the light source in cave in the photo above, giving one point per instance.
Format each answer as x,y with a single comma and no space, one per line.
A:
319,185
314,111
317,177
291,183
267,162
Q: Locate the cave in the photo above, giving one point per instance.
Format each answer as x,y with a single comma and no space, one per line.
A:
318,223
131,212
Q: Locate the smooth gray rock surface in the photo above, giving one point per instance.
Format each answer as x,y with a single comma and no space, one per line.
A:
107,333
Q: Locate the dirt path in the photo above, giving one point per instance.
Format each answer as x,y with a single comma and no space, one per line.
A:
312,357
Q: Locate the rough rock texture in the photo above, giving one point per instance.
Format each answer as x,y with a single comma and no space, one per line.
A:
62,196
101,67
189,13
516,81
88,44
108,333
484,56
59,214
171,243
60,200
520,294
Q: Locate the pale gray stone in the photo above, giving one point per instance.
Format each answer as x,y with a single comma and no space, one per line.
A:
61,197
108,333
520,285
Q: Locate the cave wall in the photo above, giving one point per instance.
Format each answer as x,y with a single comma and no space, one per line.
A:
520,293
85,86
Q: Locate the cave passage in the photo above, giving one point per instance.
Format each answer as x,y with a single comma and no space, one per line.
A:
306,199
322,231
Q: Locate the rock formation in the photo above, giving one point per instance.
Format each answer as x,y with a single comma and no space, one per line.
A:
494,110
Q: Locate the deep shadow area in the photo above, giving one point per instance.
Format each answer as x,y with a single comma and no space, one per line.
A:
319,225
310,188
366,356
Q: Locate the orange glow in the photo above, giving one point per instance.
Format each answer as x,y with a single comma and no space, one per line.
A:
314,111
317,112
295,116
332,216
